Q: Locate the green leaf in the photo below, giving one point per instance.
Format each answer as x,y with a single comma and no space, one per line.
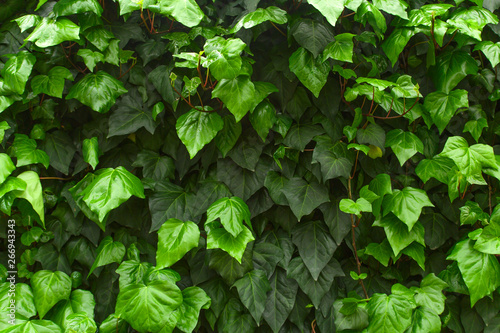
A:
3,127
341,49
430,295
17,70
109,189
147,308
424,320
129,116
252,289
80,322
489,240
397,8
451,68
315,245
175,239
314,288
228,135
471,213
354,321
193,300
442,106
34,326
389,314
90,58
32,193
186,12
6,167
263,119
469,160
404,144
51,84
472,20
331,10
475,127
25,150
481,271
69,7
157,109
373,134
107,253
235,246
60,149
231,212
335,158
300,135
26,22
350,207
311,35
438,167
155,166
491,51
223,57
280,300
407,204
397,233
261,15
304,197
382,252
53,31
91,151
237,94
369,13
234,318
98,91
49,288
312,72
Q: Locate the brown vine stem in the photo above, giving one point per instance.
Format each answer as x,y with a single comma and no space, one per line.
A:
281,32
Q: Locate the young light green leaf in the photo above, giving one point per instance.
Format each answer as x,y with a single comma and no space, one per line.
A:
234,246
350,207
397,232
389,314
341,49
69,7
231,212
438,167
6,167
80,322
331,10
237,94
442,106
407,204
223,57
32,193
382,252
186,12
51,84
193,300
491,51
91,151
430,295
261,15
17,70
53,31
489,240
397,8
175,239
90,58
107,253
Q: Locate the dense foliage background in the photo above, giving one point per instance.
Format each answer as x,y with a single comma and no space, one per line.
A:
250,166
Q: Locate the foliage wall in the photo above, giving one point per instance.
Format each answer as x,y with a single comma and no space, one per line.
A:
250,166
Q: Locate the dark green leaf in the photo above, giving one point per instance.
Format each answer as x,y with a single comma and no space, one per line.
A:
304,197
311,72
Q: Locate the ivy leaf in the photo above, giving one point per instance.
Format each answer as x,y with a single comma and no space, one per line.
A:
52,31
471,21
300,135
49,288
404,144
389,313
60,149
237,94
155,166
186,12
438,167
193,300
80,322
335,158
350,207
331,10
311,35
261,15
263,119
109,189
469,160
481,271
475,127
231,212
274,183
223,57
397,8
373,134
51,84
489,240
424,320
252,289
228,267
91,151
234,246
312,72
471,213
34,326
491,51
430,295
442,106
357,320
397,232
341,49
107,253
280,299
69,7
25,150
407,204
129,116
6,167
33,193
304,197
147,308
17,70
196,129
451,68
26,22
175,239
382,252
315,245
90,58
228,135
98,91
